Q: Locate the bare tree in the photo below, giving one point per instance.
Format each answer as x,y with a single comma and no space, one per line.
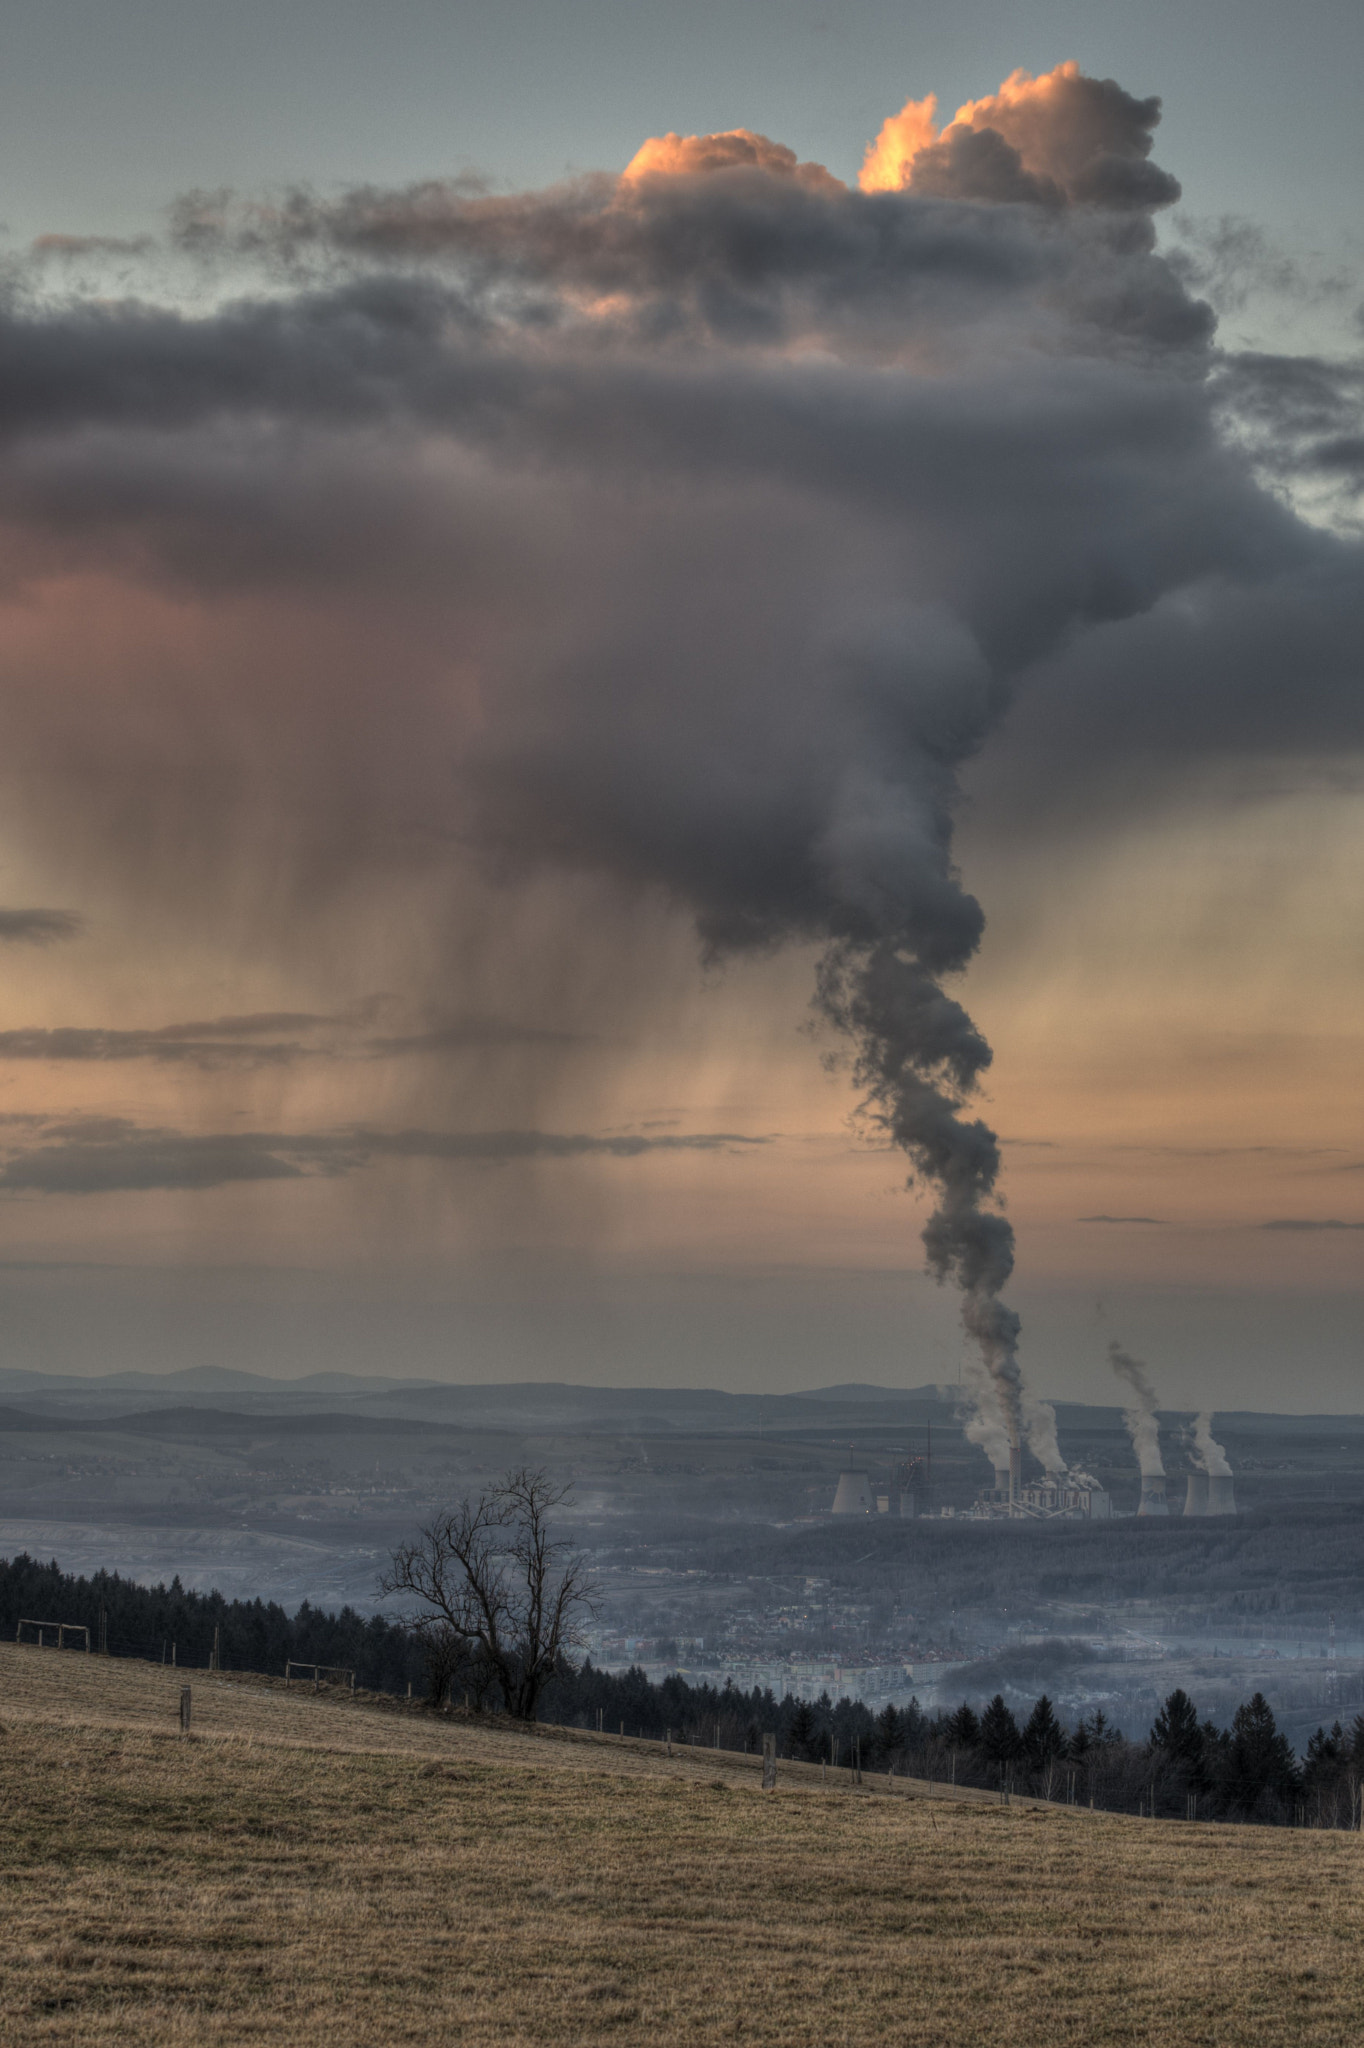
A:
497,1594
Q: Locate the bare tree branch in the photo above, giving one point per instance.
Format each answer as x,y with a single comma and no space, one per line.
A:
490,1577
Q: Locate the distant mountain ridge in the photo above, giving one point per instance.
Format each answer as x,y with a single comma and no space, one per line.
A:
851,1404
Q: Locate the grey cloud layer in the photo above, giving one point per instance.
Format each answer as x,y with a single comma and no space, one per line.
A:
256,1040
1312,1223
38,927
110,1155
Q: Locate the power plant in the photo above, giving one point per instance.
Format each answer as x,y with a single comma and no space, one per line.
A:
1059,1494
1056,1496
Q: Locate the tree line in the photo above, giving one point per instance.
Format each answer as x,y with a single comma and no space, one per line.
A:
170,1622
1244,1772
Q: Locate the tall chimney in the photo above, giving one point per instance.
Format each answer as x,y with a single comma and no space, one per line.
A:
1196,1498
1153,1501
1221,1494
1015,1473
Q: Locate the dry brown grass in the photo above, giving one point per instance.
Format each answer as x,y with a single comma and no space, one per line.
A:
306,1871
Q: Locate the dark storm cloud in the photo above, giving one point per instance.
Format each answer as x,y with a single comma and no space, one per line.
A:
739,255
730,514
1303,414
39,927
107,1155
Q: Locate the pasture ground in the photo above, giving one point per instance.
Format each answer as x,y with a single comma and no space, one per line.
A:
311,1870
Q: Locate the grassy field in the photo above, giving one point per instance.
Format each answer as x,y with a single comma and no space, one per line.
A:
308,1870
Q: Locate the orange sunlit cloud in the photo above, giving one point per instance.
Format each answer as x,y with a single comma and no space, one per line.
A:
889,161
689,156
1027,111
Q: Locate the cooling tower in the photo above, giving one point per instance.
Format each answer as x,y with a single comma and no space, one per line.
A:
854,1494
1153,1501
1002,1480
1196,1498
1221,1494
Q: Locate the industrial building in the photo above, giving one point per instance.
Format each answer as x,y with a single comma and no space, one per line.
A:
903,1492
1056,1496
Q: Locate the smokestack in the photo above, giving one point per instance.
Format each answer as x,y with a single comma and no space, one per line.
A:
1153,1501
1002,1480
1015,1472
1221,1494
1196,1497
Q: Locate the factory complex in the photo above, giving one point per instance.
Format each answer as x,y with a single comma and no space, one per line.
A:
1060,1494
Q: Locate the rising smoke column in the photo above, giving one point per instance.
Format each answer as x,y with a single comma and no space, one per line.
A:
1140,1413
759,499
919,1058
1207,1450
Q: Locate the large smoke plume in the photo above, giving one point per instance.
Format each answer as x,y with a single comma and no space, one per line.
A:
1140,1413
686,533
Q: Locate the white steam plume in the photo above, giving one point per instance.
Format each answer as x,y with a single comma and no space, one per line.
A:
1140,1414
1039,1420
1207,1450
984,1424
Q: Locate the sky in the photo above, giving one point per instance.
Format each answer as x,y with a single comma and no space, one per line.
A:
618,631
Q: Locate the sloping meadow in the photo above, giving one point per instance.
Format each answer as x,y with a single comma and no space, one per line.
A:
274,1878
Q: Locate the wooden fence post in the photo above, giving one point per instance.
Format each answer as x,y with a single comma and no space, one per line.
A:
769,1763
184,1710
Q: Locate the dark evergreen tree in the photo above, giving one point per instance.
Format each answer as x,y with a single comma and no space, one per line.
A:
1000,1742
963,1728
1324,1752
1044,1739
802,1734
1258,1766
1175,1730
889,1734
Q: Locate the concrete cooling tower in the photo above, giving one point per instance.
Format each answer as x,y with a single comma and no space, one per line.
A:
1196,1498
1153,1501
1221,1494
854,1494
